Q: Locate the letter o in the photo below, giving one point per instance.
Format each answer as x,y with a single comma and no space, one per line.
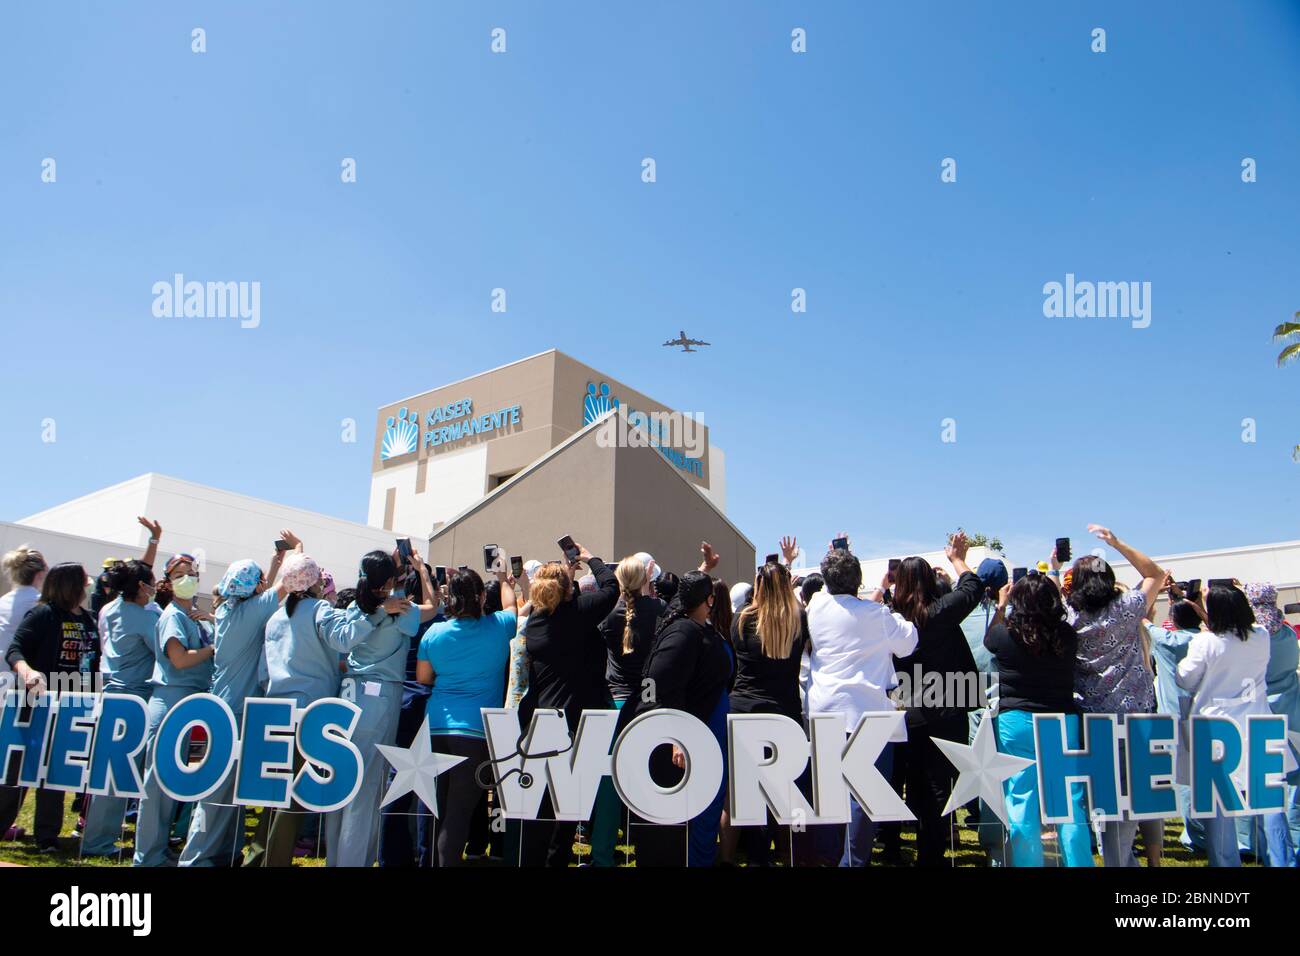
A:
174,779
631,758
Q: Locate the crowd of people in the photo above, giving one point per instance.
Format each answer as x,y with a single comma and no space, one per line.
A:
578,634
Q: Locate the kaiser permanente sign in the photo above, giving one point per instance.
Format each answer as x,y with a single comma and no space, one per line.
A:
81,741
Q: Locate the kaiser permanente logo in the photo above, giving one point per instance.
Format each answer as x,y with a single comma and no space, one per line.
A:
678,437
442,426
1102,300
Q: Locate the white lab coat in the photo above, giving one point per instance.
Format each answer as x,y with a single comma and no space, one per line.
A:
1226,678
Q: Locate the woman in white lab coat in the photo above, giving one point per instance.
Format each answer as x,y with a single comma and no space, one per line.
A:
1225,670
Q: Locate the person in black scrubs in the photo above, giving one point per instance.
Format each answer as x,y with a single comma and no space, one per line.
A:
690,667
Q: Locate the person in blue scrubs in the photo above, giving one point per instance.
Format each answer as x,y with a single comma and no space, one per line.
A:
248,600
373,681
182,667
129,625
1283,695
464,660
304,639
1168,648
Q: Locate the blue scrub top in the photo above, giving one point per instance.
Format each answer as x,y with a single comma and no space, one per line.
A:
241,625
469,657
128,645
176,624
383,655
301,653
1168,648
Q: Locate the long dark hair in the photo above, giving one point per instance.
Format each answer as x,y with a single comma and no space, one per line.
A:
1227,608
1037,615
125,578
464,594
377,569
693,590
720,616
1092,584
915,589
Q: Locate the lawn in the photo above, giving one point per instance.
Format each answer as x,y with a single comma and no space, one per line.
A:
966,852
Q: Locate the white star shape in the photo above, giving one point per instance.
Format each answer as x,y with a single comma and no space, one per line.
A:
981,770
417,769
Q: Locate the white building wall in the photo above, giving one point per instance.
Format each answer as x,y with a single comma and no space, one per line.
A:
453,482
1278,564
216,526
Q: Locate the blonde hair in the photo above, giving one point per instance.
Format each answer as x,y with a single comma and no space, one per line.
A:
631,574
549,587
23,563
776,611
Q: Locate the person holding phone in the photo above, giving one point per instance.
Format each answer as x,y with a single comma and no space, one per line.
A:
854,643
373,681
1283,684
941,650
464,660
567,659
248,599
1035,651
1225,671
1110,671
303,641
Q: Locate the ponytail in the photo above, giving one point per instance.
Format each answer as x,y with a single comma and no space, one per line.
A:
377,569
631,575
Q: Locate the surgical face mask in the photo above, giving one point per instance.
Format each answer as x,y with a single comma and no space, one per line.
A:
186,587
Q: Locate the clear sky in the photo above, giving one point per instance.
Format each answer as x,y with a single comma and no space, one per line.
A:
775,170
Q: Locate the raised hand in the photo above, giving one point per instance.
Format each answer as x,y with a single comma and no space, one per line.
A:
711,557
957,547
1104,533
291,539
155,529
790,549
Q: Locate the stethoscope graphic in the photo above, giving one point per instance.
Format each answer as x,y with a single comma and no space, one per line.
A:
525,778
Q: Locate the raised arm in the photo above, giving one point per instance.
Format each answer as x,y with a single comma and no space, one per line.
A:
155,534
1153,576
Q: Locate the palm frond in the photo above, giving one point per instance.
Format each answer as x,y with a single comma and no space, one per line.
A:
1286,330
1288,354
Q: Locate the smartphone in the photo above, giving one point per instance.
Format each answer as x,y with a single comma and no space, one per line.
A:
1192,589
839,544
893,567
1018,573
404,549
1063,550
1222,582
281,544
568,547
1291,609
490,552
772,559
462,567
440,575
517,566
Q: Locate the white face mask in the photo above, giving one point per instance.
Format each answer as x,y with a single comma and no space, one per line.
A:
186,587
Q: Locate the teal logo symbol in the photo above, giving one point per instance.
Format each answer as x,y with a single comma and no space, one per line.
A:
401,436
597,404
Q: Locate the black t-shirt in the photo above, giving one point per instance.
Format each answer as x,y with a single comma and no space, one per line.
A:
766,685
623,671
1042,682
53,641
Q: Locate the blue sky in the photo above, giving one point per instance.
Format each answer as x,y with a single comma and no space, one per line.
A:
774,171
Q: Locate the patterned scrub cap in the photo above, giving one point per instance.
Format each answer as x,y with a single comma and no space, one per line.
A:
299,572
240,580
1263,601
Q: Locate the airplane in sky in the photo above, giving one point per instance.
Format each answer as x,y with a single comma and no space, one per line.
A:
684,342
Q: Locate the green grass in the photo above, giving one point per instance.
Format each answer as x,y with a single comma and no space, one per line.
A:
966,852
